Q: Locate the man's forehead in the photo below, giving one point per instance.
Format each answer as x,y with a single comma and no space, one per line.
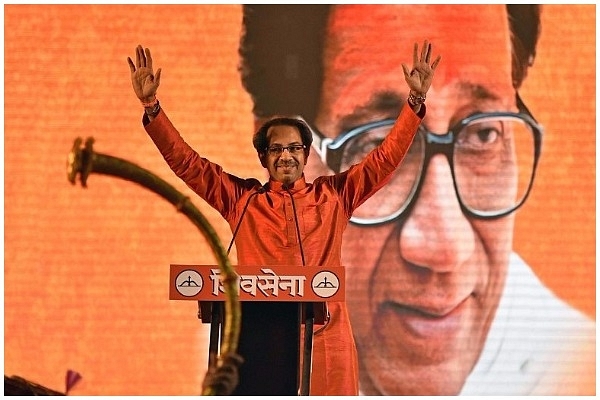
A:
283,134
366,45
373,30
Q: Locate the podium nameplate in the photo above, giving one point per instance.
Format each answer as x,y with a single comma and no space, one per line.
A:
259,283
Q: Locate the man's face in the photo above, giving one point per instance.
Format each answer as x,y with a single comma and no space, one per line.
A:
422,290
285,158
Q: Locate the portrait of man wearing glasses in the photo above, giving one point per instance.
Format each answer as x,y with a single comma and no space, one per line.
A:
440,304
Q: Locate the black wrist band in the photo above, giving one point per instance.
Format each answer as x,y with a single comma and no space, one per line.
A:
153,112
415,100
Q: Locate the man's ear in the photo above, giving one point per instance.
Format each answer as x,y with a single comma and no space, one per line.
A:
306,154
263,159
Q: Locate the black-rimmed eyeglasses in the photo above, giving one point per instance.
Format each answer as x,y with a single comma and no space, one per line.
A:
278,150
492,156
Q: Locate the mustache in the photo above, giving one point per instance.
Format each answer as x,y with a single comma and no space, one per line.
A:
286,163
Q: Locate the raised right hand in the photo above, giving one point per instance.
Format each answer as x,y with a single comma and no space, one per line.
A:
419,78
145,83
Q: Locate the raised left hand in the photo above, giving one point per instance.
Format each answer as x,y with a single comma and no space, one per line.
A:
419,78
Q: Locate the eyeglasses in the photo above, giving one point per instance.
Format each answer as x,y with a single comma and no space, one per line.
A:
278,150
492,156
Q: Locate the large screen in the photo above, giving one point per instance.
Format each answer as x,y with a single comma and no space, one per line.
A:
86,264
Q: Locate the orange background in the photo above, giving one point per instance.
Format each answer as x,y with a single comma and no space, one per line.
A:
86,269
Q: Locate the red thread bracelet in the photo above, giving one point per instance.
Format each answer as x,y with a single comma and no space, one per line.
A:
150,104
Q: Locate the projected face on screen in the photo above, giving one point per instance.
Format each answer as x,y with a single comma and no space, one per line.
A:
426,277
436,303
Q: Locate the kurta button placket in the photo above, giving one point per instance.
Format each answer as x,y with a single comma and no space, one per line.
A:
291,226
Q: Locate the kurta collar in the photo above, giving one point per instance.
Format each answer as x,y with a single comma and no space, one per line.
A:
277,186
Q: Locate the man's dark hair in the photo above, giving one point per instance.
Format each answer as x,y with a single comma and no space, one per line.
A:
261,142
281,52
281,49
525,28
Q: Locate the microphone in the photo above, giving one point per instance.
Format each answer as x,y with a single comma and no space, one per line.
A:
260,190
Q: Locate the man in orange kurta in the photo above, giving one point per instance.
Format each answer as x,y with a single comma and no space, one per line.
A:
288,221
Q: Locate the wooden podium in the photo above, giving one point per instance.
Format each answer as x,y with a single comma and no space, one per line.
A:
275,302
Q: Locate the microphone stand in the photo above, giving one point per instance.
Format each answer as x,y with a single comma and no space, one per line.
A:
309,318
217,309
